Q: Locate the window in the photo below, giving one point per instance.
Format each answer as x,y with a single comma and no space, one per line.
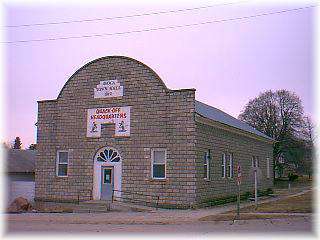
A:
159,163
254,161
62,163
223,165
268,167
230,165
206,165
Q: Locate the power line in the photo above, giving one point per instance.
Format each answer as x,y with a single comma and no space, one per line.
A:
121,17
162,28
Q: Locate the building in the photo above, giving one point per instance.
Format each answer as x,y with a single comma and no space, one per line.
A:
20,174
116,131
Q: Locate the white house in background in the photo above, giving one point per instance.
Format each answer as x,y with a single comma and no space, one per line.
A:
20,174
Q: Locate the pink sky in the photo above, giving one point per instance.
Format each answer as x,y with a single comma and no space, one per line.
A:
228,63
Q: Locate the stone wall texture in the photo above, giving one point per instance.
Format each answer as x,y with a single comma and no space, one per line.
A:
221,141
160,118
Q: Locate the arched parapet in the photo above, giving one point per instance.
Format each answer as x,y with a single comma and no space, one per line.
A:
128,71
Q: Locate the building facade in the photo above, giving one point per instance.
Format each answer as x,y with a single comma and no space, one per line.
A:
116,131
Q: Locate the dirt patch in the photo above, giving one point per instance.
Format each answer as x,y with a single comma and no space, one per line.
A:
57,209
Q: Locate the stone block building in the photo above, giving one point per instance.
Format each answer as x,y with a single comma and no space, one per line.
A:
117,132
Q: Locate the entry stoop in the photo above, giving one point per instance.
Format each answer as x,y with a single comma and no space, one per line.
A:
96,206
125,207
93,207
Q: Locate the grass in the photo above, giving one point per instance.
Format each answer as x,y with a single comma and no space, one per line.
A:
302,181
244,216
296,204
272,210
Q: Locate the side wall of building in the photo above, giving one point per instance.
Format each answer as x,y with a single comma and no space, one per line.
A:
160,118
221,141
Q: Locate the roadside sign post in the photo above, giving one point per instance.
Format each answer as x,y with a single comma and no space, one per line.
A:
238,183
255,188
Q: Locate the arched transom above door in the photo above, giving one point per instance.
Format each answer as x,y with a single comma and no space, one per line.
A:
107,154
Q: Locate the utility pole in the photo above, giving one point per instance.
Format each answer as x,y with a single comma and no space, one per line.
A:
255,188
238,183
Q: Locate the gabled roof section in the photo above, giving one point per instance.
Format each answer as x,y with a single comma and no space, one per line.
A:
20,161
222,117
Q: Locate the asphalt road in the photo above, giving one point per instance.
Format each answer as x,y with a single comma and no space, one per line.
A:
301,225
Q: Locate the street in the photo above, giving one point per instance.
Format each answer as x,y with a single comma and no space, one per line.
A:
298,224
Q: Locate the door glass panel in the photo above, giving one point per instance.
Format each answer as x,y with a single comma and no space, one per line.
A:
107,176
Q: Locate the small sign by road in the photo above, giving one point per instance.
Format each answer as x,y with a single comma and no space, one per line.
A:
238,174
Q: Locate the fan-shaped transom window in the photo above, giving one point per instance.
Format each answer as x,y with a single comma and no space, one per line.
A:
108,154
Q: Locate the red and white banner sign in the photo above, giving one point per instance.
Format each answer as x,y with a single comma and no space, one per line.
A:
238,174
120,116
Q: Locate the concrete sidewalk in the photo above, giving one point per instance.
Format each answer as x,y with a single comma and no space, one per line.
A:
160,216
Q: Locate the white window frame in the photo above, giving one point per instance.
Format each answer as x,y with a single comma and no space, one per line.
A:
165,162
58,163
268,167
224,165
230,165
254,161
207,163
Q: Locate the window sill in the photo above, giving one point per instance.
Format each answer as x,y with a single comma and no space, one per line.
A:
61,176
157,179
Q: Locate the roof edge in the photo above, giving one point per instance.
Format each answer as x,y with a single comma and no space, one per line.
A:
232,129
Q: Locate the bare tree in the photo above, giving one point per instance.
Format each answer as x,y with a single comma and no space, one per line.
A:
279,115
17,143
32,146
307,130
308,136
276,114
262,114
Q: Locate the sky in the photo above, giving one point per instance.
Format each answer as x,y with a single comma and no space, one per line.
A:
228,63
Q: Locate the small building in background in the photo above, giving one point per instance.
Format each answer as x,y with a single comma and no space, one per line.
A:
20,174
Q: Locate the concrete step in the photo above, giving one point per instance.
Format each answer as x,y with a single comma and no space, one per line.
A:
89,211
121,206
106,206
93,206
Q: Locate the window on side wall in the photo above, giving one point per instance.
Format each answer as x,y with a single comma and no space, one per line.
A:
254,161
206,165
62,163
223,165
230,165
159,163
268,167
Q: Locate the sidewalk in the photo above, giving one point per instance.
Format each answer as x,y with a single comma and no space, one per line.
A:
160,216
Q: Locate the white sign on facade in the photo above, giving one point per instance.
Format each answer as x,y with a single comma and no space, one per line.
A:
120,116
108,89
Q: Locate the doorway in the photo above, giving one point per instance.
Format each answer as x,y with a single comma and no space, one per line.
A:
106,183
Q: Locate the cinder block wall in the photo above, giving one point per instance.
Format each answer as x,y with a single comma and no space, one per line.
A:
160,118
221,141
